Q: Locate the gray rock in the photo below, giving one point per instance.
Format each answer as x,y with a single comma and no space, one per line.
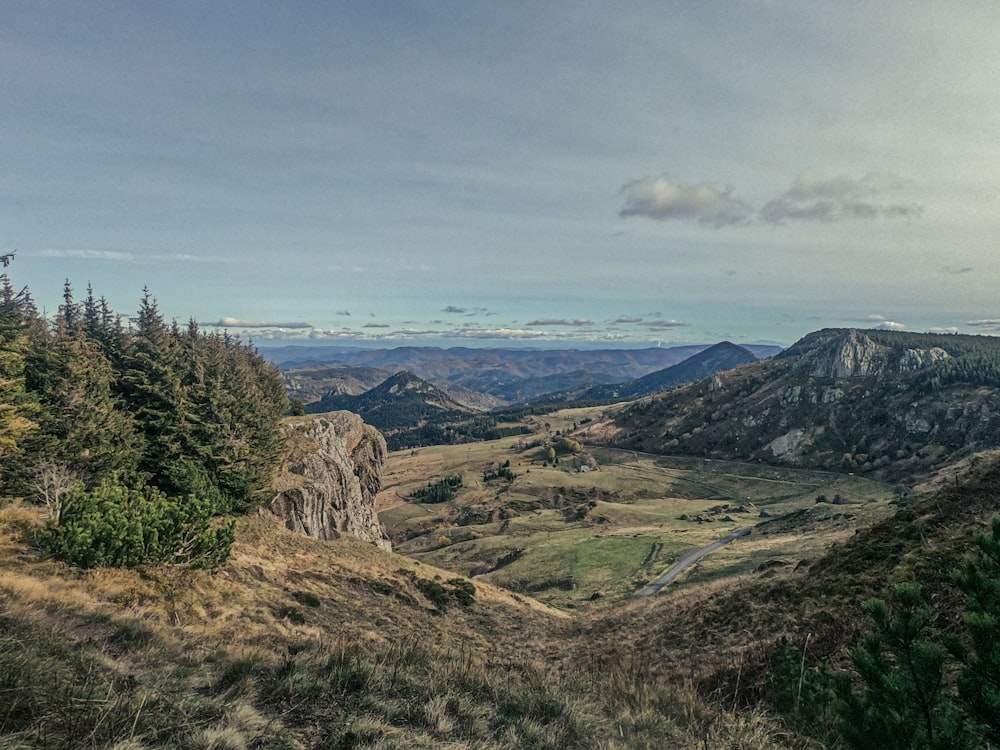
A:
327,483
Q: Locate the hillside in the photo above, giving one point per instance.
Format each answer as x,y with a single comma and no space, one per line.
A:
737,628
400,401
300,643
721,356
888,404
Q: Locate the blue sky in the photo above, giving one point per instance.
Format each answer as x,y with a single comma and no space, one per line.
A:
473,173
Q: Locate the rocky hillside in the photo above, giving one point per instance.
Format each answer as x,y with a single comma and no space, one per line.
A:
328,480
894,405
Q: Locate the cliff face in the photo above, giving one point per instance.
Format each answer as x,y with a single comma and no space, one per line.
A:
328,481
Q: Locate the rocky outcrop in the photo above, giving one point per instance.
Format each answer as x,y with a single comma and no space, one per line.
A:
850,356
327,483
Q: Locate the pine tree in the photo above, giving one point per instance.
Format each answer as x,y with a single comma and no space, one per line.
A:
17,407
902,703
979,681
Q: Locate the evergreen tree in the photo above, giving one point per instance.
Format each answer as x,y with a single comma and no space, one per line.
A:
902,703
17,408
979,681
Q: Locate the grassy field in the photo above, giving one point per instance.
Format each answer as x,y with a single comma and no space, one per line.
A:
590,538
301,643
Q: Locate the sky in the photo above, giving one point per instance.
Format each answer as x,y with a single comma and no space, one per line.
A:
508,173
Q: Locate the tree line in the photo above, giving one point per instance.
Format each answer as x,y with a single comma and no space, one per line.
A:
137,434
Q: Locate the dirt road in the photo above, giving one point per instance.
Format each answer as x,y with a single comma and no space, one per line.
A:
686,560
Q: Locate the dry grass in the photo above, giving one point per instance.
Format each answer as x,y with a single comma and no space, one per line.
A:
301,643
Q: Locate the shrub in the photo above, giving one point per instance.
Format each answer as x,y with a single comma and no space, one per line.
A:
120,527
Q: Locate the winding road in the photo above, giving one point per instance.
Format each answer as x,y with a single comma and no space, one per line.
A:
685,560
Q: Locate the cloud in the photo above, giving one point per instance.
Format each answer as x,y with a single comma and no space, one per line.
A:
119,256
989,325
957,270
560,322
814,197
943,329
654,324
376,325
627,319
662,198
453,309
227,322
344,312
879,323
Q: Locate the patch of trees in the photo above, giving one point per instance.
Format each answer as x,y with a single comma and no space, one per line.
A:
499,472
137,436
438,492
480,428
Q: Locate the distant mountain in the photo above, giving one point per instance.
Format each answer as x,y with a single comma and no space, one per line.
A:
887,403
313,382
722,356
510,375
403,400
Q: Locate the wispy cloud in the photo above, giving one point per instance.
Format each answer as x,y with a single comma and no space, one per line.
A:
663,198
227,322
122,256
111,256
814,197
453,309
560,322
627,319
986,325
659,324
376,325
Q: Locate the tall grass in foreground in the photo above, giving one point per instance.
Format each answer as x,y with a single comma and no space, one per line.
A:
129,689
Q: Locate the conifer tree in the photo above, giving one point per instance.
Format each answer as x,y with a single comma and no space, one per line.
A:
16,405
979,681
902,703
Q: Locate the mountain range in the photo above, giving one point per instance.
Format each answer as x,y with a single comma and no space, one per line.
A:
506,376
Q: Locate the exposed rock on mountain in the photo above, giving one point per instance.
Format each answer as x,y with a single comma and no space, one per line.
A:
883,402
403,400
327,483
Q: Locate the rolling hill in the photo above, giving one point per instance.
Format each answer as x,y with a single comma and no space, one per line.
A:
400,401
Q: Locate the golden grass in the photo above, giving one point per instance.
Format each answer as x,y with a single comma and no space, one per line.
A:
224,660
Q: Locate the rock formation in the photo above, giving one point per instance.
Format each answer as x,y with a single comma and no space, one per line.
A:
327,483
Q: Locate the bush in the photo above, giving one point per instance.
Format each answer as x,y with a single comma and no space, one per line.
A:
117,526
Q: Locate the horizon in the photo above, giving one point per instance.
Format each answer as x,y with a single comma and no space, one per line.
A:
610,177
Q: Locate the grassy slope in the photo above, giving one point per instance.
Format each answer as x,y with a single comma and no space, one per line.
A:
725,632
601,535
300,643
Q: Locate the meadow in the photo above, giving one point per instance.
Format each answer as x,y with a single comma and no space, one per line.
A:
586,538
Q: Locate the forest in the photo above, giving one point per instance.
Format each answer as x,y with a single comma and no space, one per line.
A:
139,436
